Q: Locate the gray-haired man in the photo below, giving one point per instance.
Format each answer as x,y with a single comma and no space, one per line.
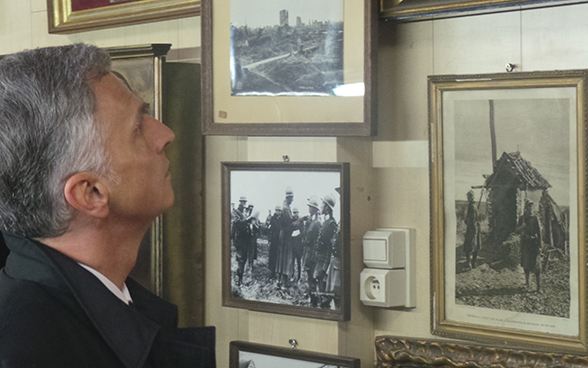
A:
83,173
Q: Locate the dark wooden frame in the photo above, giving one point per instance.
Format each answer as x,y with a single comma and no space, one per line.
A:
63,20
415,10
395,352
343,314
291,127
290,353
440,324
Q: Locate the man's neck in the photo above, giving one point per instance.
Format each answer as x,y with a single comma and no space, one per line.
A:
113,253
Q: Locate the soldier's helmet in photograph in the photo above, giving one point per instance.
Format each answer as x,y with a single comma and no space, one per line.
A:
242,199
329,199
314,202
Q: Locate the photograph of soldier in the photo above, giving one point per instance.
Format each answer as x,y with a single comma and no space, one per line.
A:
512,191
297,260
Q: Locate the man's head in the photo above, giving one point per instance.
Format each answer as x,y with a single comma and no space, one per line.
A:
289,195
328,204
470,196
74,140
47,133
242,202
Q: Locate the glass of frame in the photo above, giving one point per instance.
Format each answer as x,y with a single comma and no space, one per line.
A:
508,208
68,16
286,238
249,355
414,10
401,352
280,67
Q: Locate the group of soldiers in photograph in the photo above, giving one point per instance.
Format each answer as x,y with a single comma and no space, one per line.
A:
302,251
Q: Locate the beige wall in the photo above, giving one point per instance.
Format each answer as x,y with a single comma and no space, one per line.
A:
389,184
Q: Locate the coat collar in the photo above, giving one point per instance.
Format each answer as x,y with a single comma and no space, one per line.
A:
129,332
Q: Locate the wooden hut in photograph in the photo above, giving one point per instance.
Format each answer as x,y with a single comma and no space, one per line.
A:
513,182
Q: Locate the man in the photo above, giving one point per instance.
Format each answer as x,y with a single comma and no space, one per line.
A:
324,248
285,266
296,240
274,240
242,236
471,241
530,243
310,234
83,173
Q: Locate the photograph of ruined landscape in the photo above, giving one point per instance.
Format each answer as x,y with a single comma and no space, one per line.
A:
513,181
281,47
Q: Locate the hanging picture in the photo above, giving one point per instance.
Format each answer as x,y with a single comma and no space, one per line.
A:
286,238
508,158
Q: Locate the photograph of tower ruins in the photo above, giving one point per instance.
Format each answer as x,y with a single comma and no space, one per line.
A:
281,47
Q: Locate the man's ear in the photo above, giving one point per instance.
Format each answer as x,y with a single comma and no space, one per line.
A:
86,193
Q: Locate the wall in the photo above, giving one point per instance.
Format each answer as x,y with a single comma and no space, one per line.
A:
389,172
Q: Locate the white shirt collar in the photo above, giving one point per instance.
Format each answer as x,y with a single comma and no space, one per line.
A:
123,294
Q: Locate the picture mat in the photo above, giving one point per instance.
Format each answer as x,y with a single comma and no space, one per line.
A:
288,109
269,361
494,317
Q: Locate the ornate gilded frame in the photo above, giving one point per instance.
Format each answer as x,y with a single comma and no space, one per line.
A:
479,319
394,352
415,10
63,20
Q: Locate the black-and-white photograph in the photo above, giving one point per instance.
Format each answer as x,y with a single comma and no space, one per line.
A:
285,242
512,174
250,355
283,47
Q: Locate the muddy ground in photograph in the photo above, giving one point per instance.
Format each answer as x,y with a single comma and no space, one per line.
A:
498,280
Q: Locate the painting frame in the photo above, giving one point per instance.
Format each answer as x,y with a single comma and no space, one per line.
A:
322,360
417,10
281,288
62,19
293,115
477,320
393,352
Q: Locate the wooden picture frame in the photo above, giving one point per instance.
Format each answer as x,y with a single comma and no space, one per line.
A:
396,352
246,354
508,208
266,72
278,261
415,10
69,16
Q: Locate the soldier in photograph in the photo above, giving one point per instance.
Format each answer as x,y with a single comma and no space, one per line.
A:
310,233
274,240
297,247
285,268
254,231
530,230
471,240
324,248
241,236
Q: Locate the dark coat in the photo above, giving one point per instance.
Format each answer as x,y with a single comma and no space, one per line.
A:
54,313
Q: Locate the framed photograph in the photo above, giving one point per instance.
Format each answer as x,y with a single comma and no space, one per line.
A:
286,238
68,16
248,355
280,67
401,352
414,10
508,208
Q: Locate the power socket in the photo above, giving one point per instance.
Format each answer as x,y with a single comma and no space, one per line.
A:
383,288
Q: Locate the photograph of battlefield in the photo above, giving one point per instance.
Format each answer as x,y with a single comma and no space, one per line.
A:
283,47
285,237
512,190
254,360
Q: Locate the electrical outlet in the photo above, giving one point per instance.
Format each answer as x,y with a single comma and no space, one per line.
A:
383,288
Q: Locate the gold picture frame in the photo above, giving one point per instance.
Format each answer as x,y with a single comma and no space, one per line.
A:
508,208
393,352
415,10
64,18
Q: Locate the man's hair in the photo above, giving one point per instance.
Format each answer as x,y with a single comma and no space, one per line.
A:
48,134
